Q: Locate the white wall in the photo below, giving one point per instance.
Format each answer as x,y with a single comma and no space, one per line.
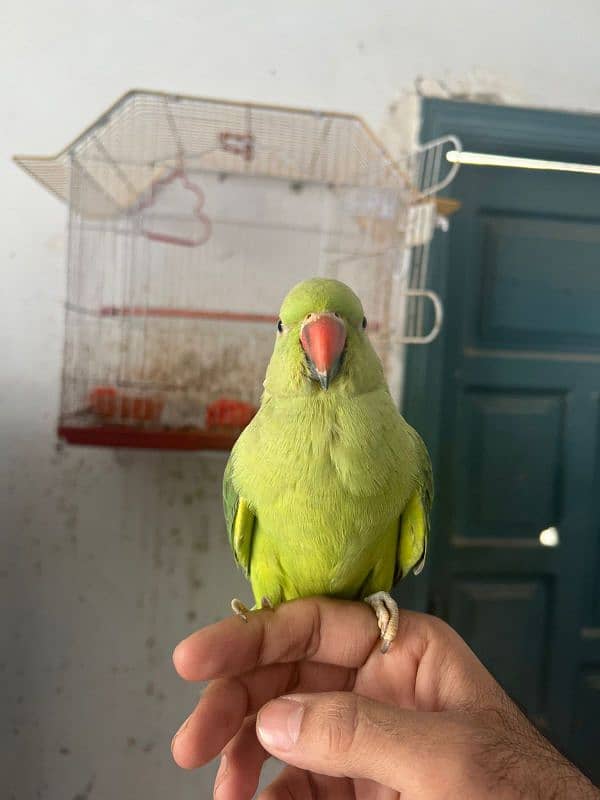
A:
107,561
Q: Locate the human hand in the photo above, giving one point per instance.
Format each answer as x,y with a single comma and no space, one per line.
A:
424,721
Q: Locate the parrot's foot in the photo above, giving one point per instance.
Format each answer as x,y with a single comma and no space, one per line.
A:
239,609
386,611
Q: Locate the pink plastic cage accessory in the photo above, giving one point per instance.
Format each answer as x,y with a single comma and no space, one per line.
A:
241,144
189,220
171,225
157,227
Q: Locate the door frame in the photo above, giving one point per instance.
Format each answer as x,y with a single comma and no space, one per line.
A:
501,130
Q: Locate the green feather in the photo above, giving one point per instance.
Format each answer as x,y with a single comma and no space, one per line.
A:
239,520
327,492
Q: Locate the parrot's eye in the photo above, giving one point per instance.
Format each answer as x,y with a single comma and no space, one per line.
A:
280,326
364,322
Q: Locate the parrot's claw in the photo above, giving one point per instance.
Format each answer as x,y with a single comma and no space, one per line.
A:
266,603
386,611
239,609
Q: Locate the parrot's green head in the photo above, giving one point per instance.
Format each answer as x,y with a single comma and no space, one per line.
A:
322,344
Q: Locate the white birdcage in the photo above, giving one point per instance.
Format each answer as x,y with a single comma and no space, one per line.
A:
189,220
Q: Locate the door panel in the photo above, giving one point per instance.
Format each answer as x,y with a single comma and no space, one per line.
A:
515,434
509,446
539,282
499,618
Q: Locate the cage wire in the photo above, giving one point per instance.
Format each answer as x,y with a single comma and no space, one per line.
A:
189,220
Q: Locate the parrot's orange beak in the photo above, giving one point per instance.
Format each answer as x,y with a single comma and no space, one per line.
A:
323,337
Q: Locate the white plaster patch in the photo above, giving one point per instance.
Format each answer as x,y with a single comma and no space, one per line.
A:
400,130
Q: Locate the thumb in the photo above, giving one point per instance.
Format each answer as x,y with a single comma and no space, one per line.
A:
344,734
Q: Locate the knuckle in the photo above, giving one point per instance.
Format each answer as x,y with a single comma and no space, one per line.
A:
342,723
425,629
313,642
438,628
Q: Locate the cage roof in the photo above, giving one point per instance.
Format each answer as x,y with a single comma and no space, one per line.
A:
145,135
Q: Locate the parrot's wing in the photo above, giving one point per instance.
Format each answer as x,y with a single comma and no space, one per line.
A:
414,523
240,521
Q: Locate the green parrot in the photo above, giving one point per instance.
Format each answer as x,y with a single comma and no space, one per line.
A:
328,490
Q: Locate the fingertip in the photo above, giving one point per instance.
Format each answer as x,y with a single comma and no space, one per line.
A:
183,756
189,660
178,759
221,776
183,762
180,659
206,653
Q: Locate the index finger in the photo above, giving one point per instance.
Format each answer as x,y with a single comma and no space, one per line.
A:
319,629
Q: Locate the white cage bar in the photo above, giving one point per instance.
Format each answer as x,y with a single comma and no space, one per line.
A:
189,219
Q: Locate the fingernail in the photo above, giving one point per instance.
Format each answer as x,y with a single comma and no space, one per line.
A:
278,723
222,773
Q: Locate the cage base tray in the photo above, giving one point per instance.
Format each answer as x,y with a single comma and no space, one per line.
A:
148,439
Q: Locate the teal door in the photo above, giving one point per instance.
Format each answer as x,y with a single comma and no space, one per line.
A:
509,401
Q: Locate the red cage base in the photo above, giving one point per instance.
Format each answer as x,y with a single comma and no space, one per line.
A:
130,436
